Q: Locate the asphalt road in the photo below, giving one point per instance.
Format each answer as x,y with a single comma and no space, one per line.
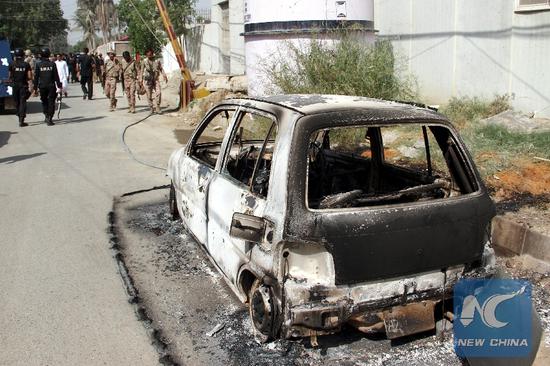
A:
62,301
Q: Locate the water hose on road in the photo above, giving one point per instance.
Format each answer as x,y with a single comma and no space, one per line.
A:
129,151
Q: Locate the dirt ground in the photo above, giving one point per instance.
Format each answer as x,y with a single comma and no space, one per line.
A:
523,194
531,177
181,297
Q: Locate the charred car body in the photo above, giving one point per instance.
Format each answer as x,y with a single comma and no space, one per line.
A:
326,210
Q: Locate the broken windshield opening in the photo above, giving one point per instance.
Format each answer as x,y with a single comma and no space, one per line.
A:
379,165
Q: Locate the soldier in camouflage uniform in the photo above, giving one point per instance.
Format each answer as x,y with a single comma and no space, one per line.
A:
32,62
112,73
130,77
151,70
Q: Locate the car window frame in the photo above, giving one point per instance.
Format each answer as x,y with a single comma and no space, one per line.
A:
203,125
241,111
460,150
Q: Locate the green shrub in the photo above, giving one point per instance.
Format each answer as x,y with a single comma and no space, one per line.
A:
345,67
465,110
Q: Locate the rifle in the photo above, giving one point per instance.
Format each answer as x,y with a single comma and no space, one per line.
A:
58,101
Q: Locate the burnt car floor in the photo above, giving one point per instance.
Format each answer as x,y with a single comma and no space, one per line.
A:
194,318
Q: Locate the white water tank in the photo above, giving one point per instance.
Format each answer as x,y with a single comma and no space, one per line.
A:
271,24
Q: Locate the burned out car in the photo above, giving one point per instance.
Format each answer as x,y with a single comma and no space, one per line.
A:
325,210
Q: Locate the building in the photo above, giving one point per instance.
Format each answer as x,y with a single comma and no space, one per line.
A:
272,26
215,43
452,47
473,47
117,46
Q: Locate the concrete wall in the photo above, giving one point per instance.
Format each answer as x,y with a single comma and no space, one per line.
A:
236,29
118,46
471,47
209,50
169,61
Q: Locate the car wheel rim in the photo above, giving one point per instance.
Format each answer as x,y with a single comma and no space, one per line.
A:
261,309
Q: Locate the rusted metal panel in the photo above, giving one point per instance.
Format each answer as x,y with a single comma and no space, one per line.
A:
409,319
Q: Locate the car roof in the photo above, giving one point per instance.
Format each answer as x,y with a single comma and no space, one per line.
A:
321,103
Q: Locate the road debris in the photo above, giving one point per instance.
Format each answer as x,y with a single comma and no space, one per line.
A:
215,330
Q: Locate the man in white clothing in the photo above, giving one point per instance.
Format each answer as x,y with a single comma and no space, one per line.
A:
63,71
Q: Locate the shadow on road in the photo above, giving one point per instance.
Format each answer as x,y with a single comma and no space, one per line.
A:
5,136
34,105
63,121
16,158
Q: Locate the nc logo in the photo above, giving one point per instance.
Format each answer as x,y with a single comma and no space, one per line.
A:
487,311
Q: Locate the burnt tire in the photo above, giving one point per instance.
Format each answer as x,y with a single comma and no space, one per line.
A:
262,311
173,203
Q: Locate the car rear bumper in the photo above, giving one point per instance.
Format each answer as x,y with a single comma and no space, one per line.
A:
371,307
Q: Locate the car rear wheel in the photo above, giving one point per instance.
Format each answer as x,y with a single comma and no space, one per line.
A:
262,310
173,204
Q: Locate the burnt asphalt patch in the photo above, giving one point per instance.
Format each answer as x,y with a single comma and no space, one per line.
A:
180,296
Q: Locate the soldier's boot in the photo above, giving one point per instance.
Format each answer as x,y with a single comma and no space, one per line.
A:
46,118
50,121
22,122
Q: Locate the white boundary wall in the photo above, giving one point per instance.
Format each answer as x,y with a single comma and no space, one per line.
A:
472,48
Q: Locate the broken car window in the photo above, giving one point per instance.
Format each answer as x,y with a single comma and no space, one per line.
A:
251,151
405,146
380,165
208,142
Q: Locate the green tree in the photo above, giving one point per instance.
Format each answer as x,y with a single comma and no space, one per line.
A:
107,18
32,23
93,16
141,21
78,46
85,20
59,44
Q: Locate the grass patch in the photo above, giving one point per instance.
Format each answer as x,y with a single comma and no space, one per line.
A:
465,110
494,147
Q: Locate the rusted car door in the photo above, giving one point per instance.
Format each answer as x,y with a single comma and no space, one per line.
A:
197,169
240,186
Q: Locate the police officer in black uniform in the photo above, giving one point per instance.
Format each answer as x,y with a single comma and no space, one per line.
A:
47,81
20,75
